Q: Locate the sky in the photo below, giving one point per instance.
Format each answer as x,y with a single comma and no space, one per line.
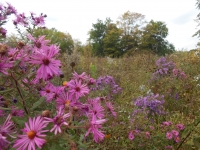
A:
77,16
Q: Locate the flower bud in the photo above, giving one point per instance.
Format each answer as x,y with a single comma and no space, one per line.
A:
46,113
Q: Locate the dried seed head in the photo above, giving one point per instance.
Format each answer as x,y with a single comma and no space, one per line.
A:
20,45
3,49
72,64
46,113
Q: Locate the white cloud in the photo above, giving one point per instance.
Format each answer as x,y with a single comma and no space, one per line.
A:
77,16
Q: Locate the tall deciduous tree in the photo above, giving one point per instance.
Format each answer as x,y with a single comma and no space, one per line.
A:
97,34
154,38
132,24
64,40
197,19
112,41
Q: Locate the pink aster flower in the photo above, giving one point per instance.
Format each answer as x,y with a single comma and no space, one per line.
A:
38,21
94,128
111,108
48,91
180,127
6,130
65,100
175,133
48,65
168,147
39,42
131,135
11,9
148,136
95,108
5,64
1,113
82,76
20,19
17,112
177,139
33,135
77,88
58,121
3,32
169,135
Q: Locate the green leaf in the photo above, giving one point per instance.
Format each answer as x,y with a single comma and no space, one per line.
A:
196,141
19,120
38,103
5,91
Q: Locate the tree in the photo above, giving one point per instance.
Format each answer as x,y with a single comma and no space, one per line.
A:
64,40
153,38
97,34
197,19
132,24
112,41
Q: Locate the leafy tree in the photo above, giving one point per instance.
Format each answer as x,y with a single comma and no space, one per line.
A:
112,41
197,19
64,40
78,46
153,38
97,34
132,24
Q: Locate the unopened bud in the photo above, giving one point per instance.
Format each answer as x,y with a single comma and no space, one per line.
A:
46,113
20,45
3,49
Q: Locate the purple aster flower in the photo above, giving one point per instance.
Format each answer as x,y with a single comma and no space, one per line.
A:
58,121
33,135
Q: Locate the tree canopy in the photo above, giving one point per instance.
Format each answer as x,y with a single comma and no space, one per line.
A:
64,40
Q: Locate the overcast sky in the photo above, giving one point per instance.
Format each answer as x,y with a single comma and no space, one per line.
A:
77,16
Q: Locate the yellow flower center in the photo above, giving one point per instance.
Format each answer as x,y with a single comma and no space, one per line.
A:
107,136
31,134
65,83
67,102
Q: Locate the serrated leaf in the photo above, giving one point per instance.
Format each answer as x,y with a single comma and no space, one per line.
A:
38,103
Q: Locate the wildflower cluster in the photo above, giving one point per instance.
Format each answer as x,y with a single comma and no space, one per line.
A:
178,73
163,68
172,132
152,104
30,92
107,83
5,11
